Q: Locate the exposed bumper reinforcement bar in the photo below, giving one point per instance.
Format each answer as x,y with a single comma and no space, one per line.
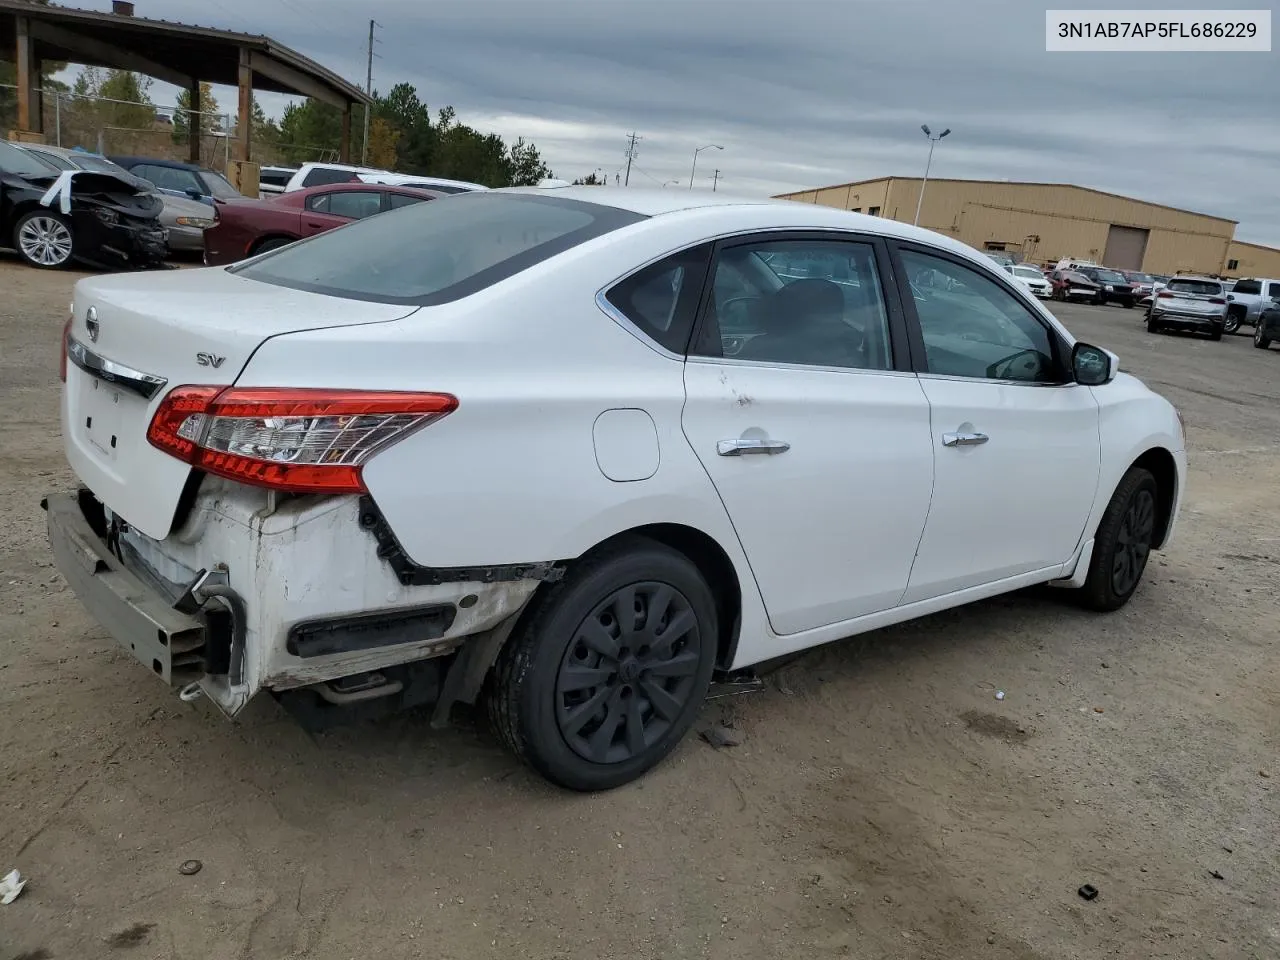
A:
170,643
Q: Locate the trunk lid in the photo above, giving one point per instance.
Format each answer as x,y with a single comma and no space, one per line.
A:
1187,301
134,337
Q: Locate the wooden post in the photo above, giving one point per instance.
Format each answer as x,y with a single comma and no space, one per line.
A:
344,145
193,123
244,128
25,62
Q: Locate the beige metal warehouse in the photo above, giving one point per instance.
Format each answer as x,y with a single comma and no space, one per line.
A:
1043,222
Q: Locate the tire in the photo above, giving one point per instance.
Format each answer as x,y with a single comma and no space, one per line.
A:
275,243
1260,338
1215,333
44,239
568,668
1128,304
1129,521
1153,325
1232,323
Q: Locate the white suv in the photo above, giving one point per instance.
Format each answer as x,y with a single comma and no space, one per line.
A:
315,174
575,451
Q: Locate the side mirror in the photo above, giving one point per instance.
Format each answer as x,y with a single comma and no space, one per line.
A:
194,194
1092,366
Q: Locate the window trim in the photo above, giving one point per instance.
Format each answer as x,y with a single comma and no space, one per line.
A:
899,350
1060,344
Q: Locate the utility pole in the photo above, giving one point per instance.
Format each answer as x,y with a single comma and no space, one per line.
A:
631,155
715,179
368,88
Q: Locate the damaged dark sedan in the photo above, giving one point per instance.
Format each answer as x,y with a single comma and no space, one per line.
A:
98,219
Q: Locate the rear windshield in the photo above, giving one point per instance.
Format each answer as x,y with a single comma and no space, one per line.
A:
1205,287
1248,286
432,253
1107,276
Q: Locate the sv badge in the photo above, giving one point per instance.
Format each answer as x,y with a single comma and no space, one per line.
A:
209,360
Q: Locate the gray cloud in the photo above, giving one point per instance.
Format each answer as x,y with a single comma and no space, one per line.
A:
807,93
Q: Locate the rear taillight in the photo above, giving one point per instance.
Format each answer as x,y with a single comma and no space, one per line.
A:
62,354
1218,300
1162,295
292,440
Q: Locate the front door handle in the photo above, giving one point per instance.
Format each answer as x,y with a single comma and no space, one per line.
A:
737,448
963,439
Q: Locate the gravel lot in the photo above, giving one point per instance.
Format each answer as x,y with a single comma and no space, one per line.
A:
884,803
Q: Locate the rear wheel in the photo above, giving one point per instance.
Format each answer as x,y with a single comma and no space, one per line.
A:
1123,543
1233,322
1216,332
275,243
44,239
1260,338
610,669
1153,324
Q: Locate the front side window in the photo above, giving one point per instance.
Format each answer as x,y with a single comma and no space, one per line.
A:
352,204
437,252
973,327
1274,292
809,302
662,299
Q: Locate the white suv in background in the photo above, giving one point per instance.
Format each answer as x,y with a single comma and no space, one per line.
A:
315,174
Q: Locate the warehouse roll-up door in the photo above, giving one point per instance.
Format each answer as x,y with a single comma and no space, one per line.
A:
1126,246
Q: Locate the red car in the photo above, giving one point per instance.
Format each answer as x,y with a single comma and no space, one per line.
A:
248,227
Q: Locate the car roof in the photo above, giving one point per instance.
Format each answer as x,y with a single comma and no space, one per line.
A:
155,162
790,214
359,186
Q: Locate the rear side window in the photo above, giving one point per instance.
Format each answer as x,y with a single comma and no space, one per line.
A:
1248,286
352,204
434,253
317,176
398,200
662,299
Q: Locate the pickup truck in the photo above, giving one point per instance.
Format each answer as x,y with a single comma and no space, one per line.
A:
1247,299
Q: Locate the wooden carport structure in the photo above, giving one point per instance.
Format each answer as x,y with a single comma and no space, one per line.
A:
176,53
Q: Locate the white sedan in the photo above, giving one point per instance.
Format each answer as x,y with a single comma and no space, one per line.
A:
1032,278
574,452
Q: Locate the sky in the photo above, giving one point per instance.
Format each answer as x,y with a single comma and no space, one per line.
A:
807,93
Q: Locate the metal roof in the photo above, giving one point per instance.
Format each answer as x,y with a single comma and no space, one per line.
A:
173,51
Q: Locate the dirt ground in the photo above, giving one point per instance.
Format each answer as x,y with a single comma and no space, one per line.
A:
884,803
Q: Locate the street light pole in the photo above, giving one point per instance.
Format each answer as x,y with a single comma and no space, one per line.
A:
694,168
923,183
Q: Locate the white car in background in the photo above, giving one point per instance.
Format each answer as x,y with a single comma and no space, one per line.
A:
315,174
1032,278
574,452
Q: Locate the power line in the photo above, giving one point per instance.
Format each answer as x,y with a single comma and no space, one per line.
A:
632,138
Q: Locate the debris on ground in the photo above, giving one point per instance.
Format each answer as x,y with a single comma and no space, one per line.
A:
999,694
190,867
720,736
1216,875
11,885
1088,891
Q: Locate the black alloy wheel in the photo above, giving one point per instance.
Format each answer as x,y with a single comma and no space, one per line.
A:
608,668
1122,543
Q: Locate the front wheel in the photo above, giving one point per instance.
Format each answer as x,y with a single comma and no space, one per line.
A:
1233,322
1123,543
1153,325
44,239
608,672
1260,338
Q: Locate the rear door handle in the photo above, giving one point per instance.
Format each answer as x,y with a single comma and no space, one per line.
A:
738,448
963,439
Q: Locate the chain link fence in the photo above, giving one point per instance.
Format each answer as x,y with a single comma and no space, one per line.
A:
128,128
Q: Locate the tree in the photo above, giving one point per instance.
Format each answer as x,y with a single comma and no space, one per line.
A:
208,105
524,165
590,180
311,130
409,117
383,140
117,98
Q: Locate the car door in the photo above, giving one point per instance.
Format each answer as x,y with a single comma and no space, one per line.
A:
801,406
1015,440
